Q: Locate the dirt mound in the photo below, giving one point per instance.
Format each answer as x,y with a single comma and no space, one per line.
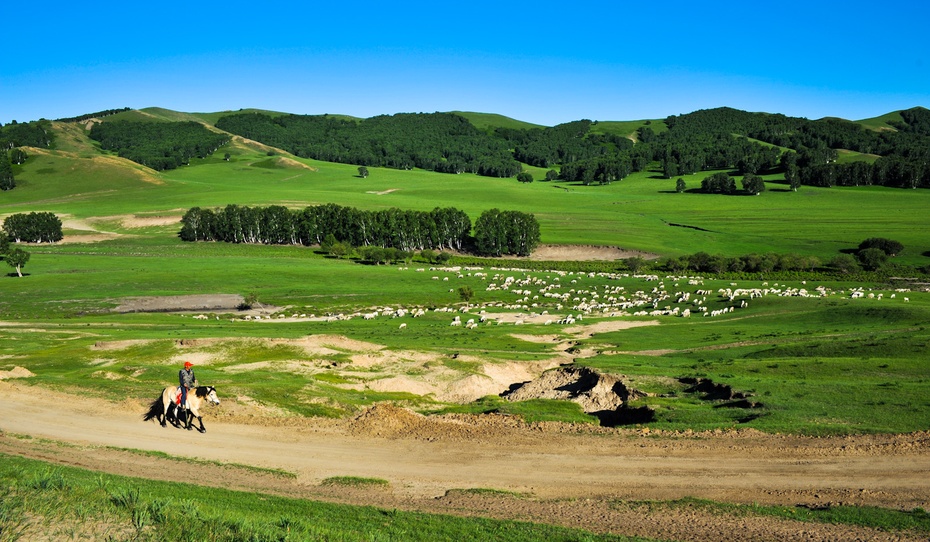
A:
16,372
597,393
386,420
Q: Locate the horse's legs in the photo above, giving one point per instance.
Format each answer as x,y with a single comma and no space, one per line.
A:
202,428
164,414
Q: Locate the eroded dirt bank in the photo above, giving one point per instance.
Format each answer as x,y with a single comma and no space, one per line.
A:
567,475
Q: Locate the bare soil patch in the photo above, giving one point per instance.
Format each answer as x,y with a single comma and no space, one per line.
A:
579,476
181,303
136,221
563,253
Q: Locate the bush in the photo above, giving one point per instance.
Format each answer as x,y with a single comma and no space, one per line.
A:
872,258
889,246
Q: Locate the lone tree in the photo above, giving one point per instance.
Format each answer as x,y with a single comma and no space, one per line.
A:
680,185
753,184
17,259
363,172
525,177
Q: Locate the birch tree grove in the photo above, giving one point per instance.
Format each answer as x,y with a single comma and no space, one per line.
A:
496,233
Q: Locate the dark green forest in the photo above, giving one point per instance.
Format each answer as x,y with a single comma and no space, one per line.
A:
440,142
714,139
158,145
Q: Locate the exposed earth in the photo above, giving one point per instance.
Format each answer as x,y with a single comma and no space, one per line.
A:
580,476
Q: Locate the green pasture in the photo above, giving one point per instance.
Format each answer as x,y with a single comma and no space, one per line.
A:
814,365
490,121
642,212
807,365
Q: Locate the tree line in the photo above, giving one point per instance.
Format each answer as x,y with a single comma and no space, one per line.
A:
442,142
158,145
98,114
496,232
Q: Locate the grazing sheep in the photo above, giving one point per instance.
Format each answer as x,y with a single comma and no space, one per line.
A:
403,326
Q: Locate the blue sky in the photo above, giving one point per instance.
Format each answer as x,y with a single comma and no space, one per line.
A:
534,61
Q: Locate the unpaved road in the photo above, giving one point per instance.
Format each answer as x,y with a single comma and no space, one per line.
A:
570,476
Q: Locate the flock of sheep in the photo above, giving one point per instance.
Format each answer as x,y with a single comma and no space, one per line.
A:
535,294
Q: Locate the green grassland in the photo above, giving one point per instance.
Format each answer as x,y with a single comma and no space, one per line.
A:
816,365
490,121
640,212
806,365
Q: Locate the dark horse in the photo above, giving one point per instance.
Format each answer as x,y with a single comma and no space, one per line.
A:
166,405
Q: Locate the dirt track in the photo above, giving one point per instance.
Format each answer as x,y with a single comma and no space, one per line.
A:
570,476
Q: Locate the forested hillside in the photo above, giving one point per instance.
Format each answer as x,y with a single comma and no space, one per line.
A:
440,142
158,145
714,139
743,143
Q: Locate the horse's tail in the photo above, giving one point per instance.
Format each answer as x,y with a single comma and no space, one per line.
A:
155,409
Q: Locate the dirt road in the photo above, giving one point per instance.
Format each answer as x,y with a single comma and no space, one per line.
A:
570,476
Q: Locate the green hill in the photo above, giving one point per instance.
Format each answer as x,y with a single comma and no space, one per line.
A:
489,121
882,122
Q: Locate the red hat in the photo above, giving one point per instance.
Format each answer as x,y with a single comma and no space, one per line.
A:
188,364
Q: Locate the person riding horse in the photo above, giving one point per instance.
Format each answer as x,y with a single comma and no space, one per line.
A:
187,380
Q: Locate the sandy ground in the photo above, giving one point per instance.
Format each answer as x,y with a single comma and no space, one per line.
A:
585,253
567,475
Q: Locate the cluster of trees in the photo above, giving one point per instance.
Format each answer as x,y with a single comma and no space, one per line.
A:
442,142
561,144
904,156
28,228
871,255
702,262
506,232
15,135
891,171
723,183
158,145
338,229
389,228
27,134
33,227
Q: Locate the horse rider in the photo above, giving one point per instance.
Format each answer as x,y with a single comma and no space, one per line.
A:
187,380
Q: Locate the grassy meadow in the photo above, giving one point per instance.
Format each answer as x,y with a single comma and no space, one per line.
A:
829,364
818,364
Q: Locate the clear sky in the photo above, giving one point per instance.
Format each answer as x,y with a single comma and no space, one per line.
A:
539,62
